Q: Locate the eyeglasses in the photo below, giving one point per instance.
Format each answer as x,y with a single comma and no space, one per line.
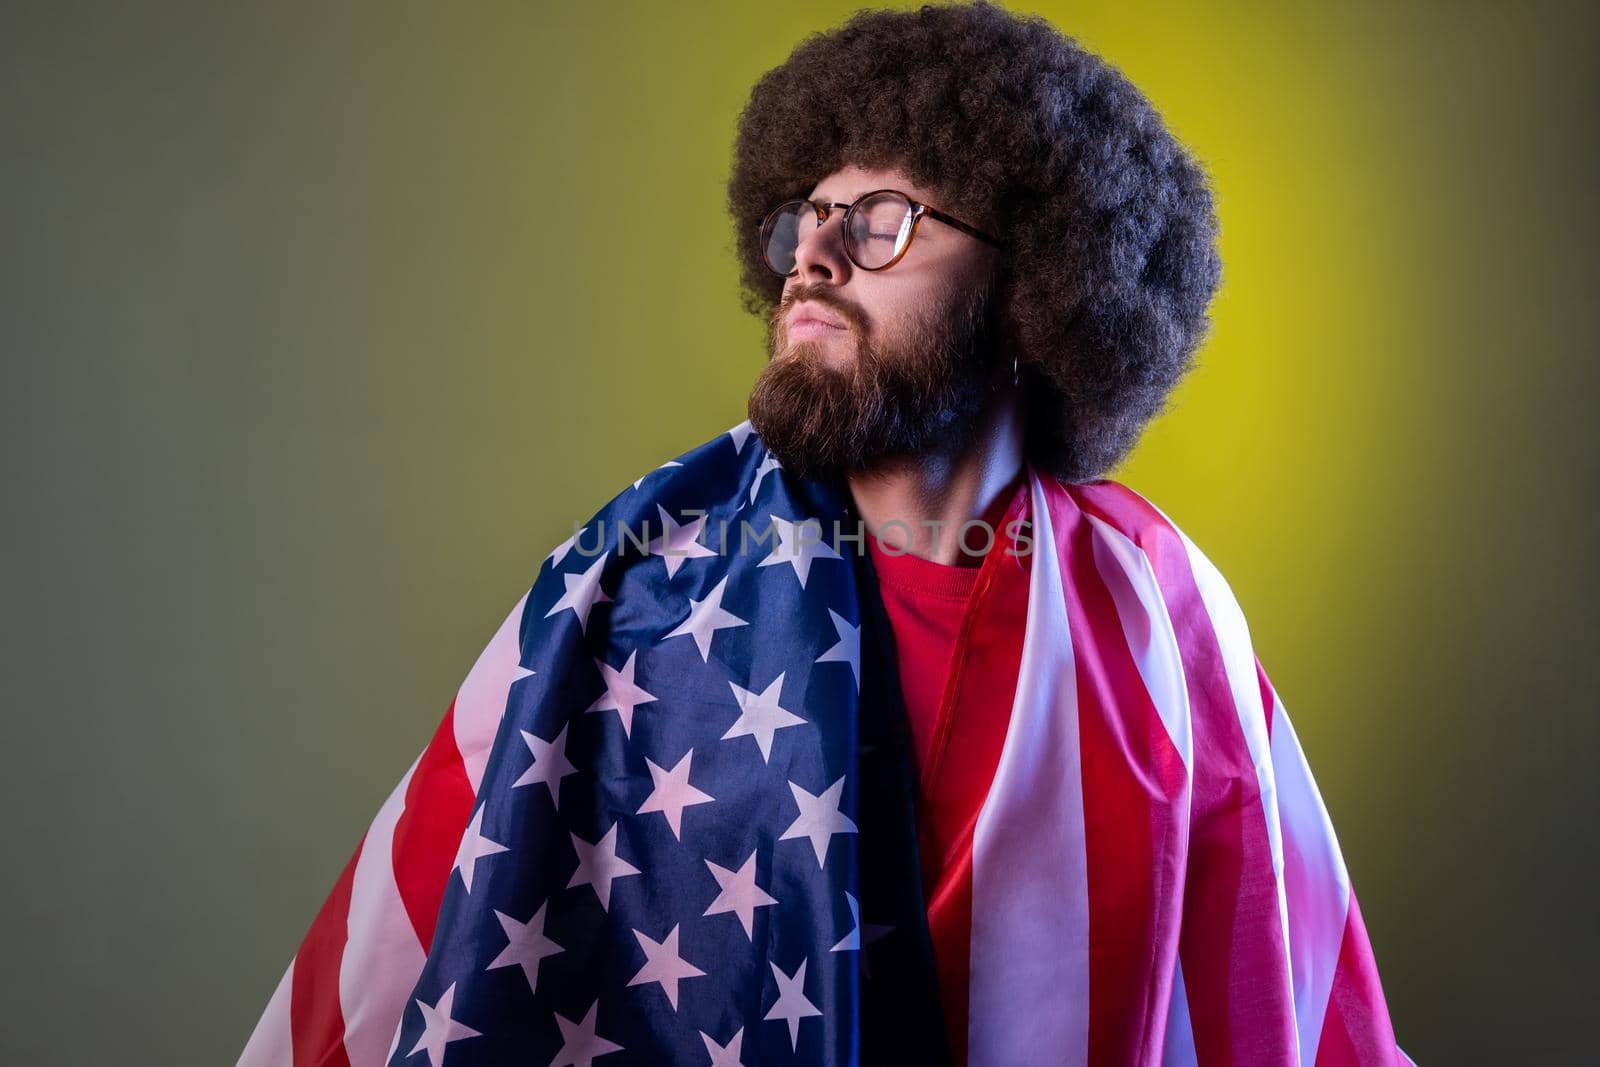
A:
878,228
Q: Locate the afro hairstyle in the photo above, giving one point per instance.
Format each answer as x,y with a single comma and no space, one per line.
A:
1111,258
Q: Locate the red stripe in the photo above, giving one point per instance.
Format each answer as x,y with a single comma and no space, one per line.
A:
1235,966
1356,1030
1134,812
428,832
1268,697
973,719
316,1021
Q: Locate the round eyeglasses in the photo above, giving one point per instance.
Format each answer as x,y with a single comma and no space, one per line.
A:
878,228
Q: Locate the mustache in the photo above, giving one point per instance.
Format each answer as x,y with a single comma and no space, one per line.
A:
821,295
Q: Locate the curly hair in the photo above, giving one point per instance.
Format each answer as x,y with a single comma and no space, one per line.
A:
1111,233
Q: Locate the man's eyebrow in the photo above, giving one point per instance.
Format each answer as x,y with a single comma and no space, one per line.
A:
824,198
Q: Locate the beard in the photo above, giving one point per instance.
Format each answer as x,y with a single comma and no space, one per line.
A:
920,394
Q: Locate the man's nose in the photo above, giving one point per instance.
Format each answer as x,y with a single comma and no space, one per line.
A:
820,254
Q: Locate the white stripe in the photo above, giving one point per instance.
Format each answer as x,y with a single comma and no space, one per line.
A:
1029,989
481,700
1239,663
1318,883
272,1043
394,1042
1147,628
382,959
1179,1050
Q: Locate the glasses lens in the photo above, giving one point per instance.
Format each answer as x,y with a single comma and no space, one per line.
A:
879,229
785,228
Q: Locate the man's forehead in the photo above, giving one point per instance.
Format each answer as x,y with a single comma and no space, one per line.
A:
846,187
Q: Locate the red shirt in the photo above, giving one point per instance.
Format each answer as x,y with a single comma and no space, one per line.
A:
958,639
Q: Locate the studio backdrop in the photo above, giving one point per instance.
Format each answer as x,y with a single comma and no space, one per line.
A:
322,325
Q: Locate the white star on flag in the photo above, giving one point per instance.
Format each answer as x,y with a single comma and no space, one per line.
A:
861,936
550,763
583,592
678,544
599,865
848,650
851,941
672,793
792,1005
799,544
579,1043
526,945
739,434
706,617
769,463
621,695
438,1029
664,466
739,894
664,965
559,553
474,846
820,817
724,1056
760,716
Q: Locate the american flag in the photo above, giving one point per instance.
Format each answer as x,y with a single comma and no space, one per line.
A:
668,819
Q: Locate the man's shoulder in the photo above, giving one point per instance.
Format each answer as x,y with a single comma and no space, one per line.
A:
719,461
1118,506
1185,576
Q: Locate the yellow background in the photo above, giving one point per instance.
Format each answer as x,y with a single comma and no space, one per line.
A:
323,323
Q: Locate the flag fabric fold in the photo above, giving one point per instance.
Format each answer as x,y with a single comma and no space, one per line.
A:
668,818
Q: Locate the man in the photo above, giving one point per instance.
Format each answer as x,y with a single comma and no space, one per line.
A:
990,776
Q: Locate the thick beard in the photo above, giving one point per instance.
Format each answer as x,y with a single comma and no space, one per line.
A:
918,397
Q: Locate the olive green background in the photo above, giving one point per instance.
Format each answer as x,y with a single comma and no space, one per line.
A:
323,323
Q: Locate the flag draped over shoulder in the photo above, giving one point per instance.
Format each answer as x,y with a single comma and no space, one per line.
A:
668,818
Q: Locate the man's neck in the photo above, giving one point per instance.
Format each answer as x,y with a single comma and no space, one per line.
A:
928,497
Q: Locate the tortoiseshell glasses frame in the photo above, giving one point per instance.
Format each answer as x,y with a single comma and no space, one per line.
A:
914,210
